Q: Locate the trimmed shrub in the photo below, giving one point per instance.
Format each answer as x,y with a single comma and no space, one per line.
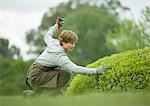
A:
129,71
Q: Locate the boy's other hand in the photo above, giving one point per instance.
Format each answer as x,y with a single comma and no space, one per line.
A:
101,69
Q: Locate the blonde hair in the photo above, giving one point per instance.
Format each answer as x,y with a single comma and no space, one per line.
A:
68,36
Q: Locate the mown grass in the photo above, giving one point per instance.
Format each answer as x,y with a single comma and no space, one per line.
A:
102,99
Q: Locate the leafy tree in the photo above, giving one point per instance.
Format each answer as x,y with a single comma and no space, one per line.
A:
4,47
145,24
12,76
91,25
34,37
127,36
110,7
10,52
113,6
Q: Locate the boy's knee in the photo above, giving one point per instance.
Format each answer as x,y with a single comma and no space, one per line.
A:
63,78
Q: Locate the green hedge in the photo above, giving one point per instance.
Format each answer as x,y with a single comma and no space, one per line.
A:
129,71
12,76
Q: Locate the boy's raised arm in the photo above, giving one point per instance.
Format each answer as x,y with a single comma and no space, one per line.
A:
49,35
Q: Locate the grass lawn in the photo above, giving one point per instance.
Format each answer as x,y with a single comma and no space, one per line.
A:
102,99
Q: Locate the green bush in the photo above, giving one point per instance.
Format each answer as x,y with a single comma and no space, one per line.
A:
12,76
129,71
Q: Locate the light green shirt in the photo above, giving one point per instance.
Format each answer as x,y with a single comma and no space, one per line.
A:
54,55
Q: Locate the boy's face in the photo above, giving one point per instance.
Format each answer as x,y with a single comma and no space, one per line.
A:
68,46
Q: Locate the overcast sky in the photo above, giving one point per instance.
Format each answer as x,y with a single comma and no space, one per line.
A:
18,16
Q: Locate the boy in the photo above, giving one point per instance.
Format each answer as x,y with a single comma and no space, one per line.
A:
52,69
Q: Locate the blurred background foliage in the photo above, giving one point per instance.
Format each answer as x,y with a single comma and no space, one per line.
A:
9,51
12,76
100,29
98,26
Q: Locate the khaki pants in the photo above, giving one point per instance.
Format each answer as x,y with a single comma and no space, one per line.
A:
39,77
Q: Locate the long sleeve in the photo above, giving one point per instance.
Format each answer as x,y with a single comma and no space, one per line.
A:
65,63
49,35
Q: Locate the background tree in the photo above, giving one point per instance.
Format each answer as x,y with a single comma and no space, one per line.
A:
34,37
91,25
9,51
12,76
145,24
108,8
4,47
127,36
